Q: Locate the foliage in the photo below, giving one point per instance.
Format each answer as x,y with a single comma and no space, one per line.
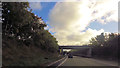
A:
14,17
99,40
105,45
20,23
22,29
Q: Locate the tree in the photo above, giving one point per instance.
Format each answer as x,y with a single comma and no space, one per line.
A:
24,25
98,40
109,46
12,20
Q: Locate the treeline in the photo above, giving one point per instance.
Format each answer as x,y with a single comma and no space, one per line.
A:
27,28
24,40
105,45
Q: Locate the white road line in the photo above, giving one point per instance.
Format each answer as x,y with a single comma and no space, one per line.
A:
62,63
55,62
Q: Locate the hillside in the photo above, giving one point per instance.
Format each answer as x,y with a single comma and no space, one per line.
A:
25,42
22,55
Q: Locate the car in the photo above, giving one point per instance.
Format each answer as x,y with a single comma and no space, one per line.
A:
70,56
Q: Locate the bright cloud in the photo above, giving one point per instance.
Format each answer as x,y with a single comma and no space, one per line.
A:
78,38
70,19
104,11
35,5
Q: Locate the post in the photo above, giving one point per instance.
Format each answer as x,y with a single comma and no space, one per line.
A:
61,51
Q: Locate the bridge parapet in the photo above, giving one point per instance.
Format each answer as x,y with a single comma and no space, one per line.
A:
73,47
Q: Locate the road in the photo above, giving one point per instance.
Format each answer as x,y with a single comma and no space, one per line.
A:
81,61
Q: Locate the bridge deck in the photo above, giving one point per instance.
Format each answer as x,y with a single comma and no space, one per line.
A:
73,47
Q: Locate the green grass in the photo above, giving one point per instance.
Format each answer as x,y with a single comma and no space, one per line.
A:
21,55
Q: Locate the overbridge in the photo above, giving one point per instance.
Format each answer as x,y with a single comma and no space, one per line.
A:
73,47
89,51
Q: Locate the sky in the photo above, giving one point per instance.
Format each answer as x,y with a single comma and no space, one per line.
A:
75,23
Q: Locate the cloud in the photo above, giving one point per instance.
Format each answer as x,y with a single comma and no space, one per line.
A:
104,11
78,38
35,5
70,19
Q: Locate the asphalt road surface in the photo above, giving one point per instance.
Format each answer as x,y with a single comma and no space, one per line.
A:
81,61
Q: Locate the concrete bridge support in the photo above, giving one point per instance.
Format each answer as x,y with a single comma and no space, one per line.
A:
89,52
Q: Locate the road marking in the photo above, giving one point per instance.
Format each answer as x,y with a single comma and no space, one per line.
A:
62,62
55,62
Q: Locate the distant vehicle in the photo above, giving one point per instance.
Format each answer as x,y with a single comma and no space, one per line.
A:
70,56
